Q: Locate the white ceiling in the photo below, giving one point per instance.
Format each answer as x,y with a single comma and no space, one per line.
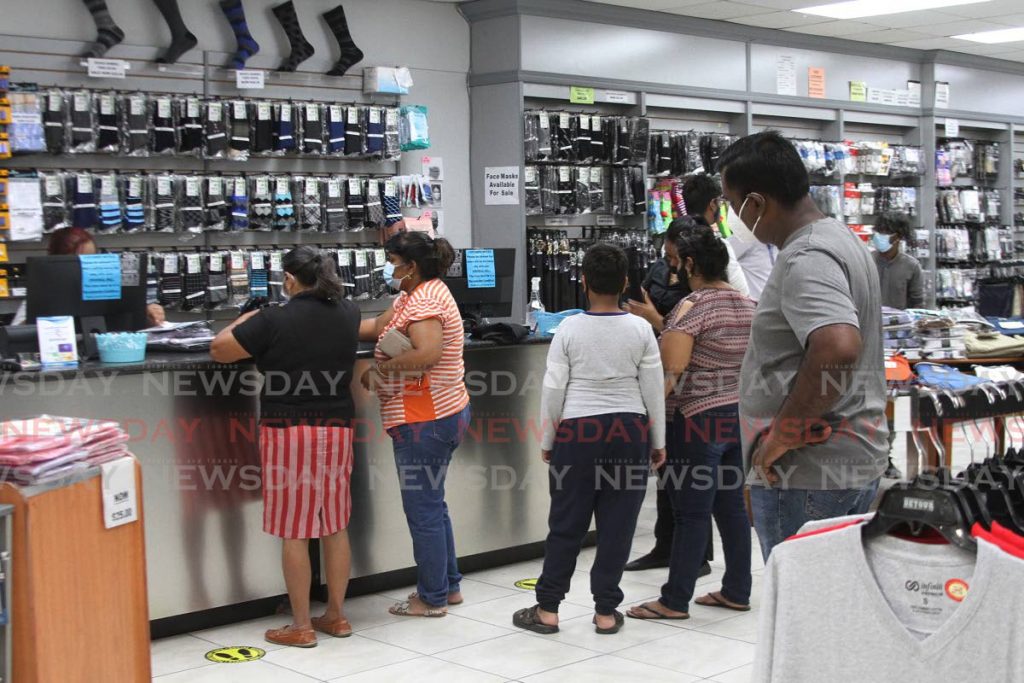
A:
923,30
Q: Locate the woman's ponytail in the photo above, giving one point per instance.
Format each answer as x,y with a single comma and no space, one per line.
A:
315,270
445,254
433,256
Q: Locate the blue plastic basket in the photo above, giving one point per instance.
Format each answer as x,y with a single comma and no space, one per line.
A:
122,347
547,323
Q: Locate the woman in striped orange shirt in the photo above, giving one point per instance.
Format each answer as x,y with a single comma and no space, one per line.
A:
424,407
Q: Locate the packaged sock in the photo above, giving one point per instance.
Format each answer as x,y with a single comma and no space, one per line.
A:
355,204
362,272
108,123
261,204
531,191
378,286
263,128
83,123
374,207
596,190
164,127
108,203
216,212
312,128
194,283
191,207
335,129
392,136
561,136
545,152
216,281
582,189
259,276
133,194
375,132
640,136
83,201
163,206
312,211
355,130
284,204
170,288
566,191
55,122
391,202
239,127
530,141
335,208
583,139
598,150
276,276
285,127
215,129
239,189
136,116
55,211
346,271
238,281
190,127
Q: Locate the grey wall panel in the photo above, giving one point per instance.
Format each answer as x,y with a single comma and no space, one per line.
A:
981,91
495,45
633,54
840,69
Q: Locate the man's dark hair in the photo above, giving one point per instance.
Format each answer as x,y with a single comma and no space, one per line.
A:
698,192
768,164
606,268
894,224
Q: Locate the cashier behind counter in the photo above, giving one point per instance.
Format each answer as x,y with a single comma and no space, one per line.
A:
78,242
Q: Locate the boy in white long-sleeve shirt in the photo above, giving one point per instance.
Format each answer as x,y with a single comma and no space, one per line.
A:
603,412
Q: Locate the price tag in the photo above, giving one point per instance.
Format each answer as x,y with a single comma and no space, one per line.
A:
215,186
262,186
263,111
54,101
170,263
52,186
106,68
353,115
595,123
585,122
217,262
135,186
214,111
286,112
163,108
360,258
530,175
952,128
374,115
81,101
108,185
545,122
390,188
275,261
193,264
240,109
596,174
372,189
120,498
563,120
312,112
137,105
563,174
345,258
354,186
333,189
249,79
163,185
281,186
240,187
192,186
336,114
257,260
312,188
391,117
106,105
237,260
83,182
380,257
192,107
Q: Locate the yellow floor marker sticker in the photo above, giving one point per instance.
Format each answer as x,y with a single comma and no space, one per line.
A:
238,654
526,584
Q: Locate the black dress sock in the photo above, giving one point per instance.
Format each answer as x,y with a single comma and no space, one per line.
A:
108,34
182,40
350,54
246,46
216,130
301,49
55,118
312,129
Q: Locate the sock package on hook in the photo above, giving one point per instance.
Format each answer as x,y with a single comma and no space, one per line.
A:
414,131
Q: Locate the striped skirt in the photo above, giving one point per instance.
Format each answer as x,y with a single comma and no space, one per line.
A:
306,475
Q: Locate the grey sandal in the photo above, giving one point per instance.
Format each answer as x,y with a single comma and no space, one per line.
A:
528,619
415,596
402,609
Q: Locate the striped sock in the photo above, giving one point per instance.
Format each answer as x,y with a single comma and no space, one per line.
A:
247,47
350,54
182,39
301,49
108,34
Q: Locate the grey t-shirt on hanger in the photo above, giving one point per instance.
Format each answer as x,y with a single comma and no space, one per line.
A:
824,275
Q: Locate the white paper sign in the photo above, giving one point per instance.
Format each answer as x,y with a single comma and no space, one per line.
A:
615,97
107,68
56,337
501,185
952,128
914,90
785,75
120,499
26,209
941,95
606,220
249,79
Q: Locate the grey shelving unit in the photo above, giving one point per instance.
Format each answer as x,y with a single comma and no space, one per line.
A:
6,547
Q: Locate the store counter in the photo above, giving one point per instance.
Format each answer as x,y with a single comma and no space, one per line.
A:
193,427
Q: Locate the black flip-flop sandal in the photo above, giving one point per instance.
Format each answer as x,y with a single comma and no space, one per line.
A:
527,619
620,620
719,602
658,616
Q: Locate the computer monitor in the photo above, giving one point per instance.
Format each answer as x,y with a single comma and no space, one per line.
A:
494,301
55,288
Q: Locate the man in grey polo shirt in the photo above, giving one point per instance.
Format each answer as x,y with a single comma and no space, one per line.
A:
812,387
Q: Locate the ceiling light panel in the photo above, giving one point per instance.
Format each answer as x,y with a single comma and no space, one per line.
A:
855,9
1003,35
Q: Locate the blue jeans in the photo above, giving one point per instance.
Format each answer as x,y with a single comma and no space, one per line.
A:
779,513
704,477
422,453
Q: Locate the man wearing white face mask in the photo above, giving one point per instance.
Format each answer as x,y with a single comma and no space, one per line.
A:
900,274
812,385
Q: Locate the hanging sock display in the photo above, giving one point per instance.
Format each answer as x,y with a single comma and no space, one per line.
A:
301,49
108,33
182,40
246,46
350,54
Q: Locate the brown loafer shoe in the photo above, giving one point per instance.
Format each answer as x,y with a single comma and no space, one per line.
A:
291,637
339,628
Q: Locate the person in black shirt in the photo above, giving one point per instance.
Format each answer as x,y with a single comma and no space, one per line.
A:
306,351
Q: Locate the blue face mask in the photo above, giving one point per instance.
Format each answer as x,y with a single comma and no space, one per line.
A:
883,243
389,276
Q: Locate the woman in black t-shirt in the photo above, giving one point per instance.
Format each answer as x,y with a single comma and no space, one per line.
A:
306,351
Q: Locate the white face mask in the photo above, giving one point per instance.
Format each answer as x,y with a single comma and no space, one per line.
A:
739,227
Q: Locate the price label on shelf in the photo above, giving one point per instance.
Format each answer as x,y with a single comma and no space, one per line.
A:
249,79
106,68
606,220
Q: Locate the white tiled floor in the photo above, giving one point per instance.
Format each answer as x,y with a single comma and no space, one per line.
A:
476,642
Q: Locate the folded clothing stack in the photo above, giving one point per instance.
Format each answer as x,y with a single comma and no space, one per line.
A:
941,338
900,334
46,448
